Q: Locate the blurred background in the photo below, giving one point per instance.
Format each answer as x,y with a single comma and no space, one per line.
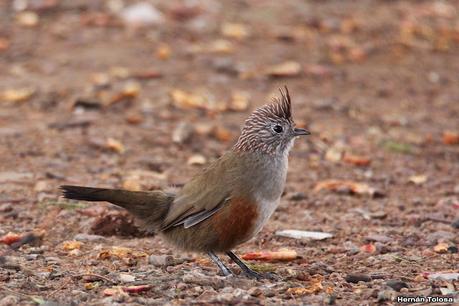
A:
142,94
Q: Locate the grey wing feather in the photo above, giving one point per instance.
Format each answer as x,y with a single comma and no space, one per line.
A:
203,215
198,217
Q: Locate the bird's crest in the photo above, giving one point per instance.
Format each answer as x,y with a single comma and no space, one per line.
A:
280,108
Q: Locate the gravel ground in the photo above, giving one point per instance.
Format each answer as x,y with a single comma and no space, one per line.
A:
95,93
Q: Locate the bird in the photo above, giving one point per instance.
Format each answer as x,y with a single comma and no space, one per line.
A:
227,203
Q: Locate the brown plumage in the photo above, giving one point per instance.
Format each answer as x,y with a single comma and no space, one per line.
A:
229,202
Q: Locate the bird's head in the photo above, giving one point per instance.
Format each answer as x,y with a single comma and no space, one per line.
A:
270,129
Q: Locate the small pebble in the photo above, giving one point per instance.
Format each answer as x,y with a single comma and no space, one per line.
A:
126,278
396,284
200,279
384,295
355,278
31,256
89,237
297,196
9,300
255,291
378,238
330,299
161,260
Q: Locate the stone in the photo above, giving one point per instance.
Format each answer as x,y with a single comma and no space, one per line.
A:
161,260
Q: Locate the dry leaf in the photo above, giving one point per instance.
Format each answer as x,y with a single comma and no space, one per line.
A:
235,30
220,46
334,154
222,133
137,180
368,248
90,286
100,79
27,19
71,245
120,252
163,52
239,101
115,145
286,69
113,291
318,71
182,99
281,255
4,44
10,238
450,138
441,247
147,75
18,95
120,72
346,186
182,133
418,179
134,118
137,288
130,91
313,286
196,159
132,185
357,160
127,289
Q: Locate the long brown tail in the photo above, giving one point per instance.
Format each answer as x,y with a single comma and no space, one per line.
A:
150,207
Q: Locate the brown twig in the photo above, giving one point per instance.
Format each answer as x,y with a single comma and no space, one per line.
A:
97,276
16,292
60,288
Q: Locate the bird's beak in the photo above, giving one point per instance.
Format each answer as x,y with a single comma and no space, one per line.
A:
300,132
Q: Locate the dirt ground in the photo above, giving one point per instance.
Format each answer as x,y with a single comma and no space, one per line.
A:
96,93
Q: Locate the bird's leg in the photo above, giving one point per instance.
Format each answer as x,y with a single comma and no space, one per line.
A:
220,264
243,266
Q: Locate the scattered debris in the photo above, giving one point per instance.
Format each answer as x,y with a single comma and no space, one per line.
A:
71,245
129,290
120,252
196,159
141,14
281,255
18,95
10,238
182,133
314,286
355,278
342,186
357,160
296,234
450,138
286,69
396,284
115,145
418,179
161,260
235,30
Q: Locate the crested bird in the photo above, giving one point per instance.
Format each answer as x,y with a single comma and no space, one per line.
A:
225,204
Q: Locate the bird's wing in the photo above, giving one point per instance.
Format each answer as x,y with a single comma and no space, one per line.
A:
195,218
203,196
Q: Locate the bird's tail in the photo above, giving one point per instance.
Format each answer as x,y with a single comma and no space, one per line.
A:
150,207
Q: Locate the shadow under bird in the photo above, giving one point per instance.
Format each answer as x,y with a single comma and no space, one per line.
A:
227,203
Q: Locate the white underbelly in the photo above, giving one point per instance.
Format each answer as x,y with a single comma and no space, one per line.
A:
266,209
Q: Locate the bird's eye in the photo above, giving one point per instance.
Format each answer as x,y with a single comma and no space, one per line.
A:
278,128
